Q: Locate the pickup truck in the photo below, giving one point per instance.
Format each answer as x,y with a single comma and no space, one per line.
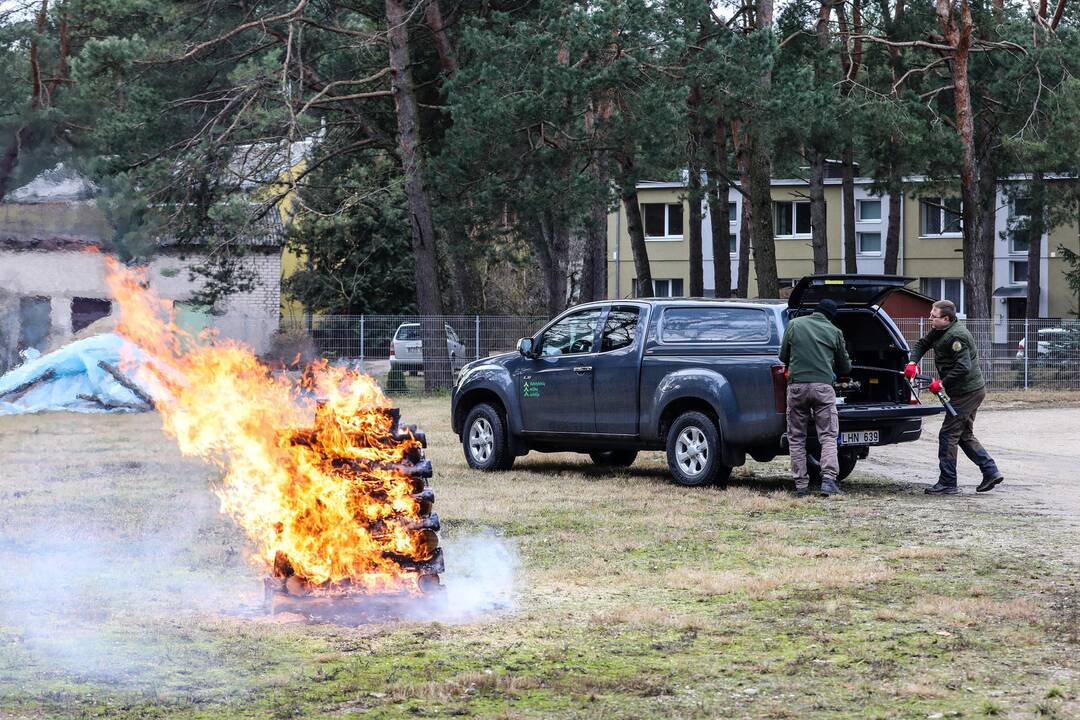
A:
697,378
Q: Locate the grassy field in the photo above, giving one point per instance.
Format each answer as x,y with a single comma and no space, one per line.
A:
126,595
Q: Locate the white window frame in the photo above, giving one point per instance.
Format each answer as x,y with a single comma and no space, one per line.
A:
1013,264
1013,215
668,287
794,220
939,292
1012,246
733,228
858,210
667,223
858,244
940,201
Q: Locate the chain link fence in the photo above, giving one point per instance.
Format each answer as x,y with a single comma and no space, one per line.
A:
1041,353
390,347
1017,354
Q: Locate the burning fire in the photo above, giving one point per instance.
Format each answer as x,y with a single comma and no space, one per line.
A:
327,487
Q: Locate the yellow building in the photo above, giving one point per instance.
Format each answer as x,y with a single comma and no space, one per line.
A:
930,244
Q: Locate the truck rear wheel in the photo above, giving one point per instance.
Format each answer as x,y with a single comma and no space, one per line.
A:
845,460
485,440
614,458
693,451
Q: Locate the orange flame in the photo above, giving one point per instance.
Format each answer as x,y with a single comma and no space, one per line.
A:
309,468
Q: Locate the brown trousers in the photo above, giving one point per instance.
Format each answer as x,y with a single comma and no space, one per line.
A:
816,401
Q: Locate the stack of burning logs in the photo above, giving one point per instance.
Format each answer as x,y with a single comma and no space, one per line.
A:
401,578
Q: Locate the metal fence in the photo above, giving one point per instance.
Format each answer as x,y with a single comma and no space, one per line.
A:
1014,354
1041,353
389,347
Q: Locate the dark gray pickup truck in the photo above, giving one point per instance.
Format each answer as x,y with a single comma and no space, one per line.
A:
698,378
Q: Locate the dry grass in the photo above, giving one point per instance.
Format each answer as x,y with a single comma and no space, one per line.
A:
977,610
649,616
919,553
922,690
464,684
775,582
1001,399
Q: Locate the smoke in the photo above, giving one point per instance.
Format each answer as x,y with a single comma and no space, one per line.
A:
87,596
103,598
479,577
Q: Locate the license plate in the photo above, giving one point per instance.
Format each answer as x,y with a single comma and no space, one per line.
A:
860,437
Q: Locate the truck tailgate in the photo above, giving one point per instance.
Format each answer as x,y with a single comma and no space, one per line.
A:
886,411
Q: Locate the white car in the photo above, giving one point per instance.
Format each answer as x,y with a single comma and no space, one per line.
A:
407,348
1044,337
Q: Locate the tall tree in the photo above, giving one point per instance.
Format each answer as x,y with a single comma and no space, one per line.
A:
436,357
760,172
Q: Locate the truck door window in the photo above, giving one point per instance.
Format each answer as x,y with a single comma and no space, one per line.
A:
619,329
573,335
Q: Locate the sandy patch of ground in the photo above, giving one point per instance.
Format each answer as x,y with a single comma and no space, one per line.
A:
1037,450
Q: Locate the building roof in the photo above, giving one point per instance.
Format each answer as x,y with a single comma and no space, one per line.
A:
57,184
56,211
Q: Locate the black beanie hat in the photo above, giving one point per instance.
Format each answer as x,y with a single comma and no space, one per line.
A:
827,307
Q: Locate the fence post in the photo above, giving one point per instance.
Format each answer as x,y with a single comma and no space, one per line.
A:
361,343
922,332
1027,352
477,338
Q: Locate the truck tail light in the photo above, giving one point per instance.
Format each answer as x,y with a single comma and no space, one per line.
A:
779,386
391,348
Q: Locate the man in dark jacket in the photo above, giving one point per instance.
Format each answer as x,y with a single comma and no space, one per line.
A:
814,352
957,361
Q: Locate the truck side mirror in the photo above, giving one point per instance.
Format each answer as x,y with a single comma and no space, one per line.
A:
525,346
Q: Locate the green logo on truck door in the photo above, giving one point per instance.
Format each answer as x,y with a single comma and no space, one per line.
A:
531,388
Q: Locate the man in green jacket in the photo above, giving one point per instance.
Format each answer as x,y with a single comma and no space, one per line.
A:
957,361
813,350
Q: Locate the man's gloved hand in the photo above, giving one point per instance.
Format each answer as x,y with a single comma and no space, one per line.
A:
911,370
935,386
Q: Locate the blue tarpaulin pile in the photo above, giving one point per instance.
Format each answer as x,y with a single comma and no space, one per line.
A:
84,376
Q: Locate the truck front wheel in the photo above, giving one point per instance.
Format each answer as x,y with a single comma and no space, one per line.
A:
485,439
693,451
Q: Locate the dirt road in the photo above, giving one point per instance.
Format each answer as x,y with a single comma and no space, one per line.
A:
1037,450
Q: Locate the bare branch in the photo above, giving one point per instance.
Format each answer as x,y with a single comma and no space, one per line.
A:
259,23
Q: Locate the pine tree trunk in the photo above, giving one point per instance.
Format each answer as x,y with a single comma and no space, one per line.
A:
436,356
977,258
643,286
594,255
819,241
694,145
1036,227
719,213
745,221
762,238
892,237
847,188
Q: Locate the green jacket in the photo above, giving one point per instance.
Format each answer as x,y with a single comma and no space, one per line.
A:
955,356
814,350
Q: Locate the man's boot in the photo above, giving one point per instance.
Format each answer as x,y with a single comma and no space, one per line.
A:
829,487
989,484
942,489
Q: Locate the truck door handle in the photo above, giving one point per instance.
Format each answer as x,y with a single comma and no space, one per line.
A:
582,369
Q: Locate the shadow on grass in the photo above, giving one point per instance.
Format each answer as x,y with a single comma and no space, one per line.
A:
761,480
